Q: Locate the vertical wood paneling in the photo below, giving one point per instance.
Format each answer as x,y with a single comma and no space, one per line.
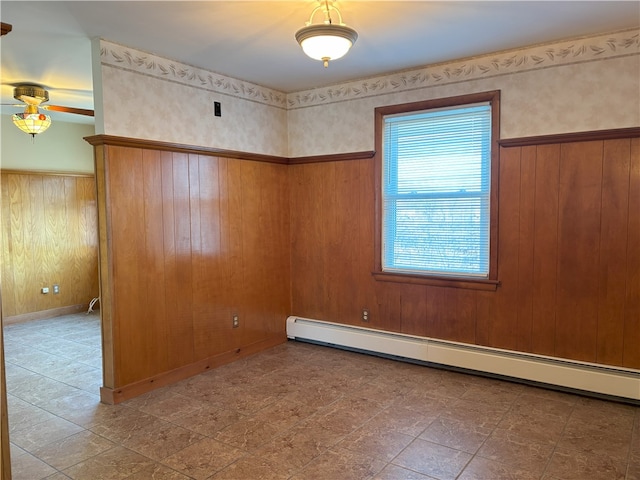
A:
194,248
485,305
49,236
307,214
263,266
331,240
20,217
254,264
55,227
579,217
178,349
387,306
502,333
105,270
413,310
347,307
631,353
233,220
263,240
545,252
133,348
181,323
613,251
526,231
364,245
88,214
564,251
41,272
153,273
72,277
6,261
194,239
210,295
452,314
5,447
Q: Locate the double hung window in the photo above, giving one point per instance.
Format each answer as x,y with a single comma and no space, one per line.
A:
437,163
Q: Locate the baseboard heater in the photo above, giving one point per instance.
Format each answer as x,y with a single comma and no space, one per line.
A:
566,375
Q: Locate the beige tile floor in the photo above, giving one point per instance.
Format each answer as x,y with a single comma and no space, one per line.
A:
299,411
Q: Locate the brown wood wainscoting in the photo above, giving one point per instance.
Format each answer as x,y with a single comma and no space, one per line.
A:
189,239
49,237
192,236
568,253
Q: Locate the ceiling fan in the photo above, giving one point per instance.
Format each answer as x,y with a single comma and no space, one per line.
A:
31,120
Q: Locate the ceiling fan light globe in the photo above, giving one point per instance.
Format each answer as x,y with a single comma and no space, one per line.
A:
31,123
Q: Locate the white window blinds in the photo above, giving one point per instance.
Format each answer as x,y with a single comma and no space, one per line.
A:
436,191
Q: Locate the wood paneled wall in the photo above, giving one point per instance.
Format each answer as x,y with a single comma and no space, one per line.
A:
5,449
568,256
189,238
188,241
49,236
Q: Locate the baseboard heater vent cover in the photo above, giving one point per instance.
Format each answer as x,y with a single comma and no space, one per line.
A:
563,374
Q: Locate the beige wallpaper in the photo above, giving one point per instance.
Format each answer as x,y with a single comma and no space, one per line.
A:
576,85
586,84
571,98
152,98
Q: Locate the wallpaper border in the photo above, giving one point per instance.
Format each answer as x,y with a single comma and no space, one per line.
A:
542,56
128,58
585,49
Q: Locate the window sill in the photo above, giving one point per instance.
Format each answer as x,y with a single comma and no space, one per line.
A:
453,282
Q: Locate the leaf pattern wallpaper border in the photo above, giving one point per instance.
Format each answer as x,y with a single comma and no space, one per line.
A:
585,49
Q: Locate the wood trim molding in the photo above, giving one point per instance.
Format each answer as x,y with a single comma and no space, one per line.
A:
45,172
336,157
454,282
5,28
43,314
5,456
493,97
114,396
594,135
111,140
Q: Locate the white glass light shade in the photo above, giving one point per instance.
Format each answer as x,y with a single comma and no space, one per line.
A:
326,42
32,123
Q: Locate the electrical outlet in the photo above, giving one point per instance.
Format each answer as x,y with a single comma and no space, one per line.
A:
365,315
236,321
56,289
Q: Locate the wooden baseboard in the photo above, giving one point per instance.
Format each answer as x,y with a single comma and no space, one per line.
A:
114,396
43,314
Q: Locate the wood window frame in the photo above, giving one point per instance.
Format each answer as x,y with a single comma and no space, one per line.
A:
489,283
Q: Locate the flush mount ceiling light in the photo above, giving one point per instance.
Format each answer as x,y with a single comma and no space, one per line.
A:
31,121
326,41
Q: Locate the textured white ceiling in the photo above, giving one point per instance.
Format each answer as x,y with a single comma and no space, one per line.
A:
254,40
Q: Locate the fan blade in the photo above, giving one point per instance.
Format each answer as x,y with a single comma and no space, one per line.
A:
77,111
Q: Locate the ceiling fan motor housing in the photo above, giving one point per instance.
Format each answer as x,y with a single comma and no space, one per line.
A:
33,91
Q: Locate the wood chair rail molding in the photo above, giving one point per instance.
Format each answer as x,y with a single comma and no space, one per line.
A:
46,172
613,134
113,140
220,152
337,157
